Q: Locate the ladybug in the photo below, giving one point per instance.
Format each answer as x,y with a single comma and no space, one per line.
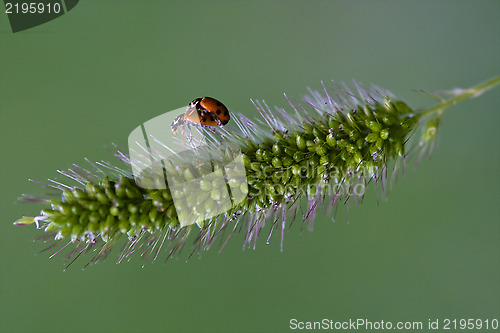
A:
204,112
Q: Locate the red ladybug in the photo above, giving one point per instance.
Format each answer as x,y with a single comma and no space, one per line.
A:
204,112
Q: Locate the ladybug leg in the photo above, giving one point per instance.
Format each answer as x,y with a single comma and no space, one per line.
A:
190,138
182,126
178,121
193,143
219,123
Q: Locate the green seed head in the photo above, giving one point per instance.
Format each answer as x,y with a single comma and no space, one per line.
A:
325,154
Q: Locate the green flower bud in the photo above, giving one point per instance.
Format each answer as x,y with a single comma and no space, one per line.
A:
277,162
430,129
301,143
384,134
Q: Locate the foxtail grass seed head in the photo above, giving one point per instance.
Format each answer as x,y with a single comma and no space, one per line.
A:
244,177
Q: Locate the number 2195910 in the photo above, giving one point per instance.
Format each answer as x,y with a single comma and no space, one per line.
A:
470,324
32,8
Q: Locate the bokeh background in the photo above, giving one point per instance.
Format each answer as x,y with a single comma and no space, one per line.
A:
74,85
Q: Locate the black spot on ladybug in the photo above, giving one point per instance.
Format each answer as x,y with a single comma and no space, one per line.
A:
218,112
203,120
224,122
226,113
219,103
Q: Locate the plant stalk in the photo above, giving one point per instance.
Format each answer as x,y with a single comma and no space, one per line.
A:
460,95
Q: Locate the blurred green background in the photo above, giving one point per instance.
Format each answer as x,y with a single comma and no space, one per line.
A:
74,85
